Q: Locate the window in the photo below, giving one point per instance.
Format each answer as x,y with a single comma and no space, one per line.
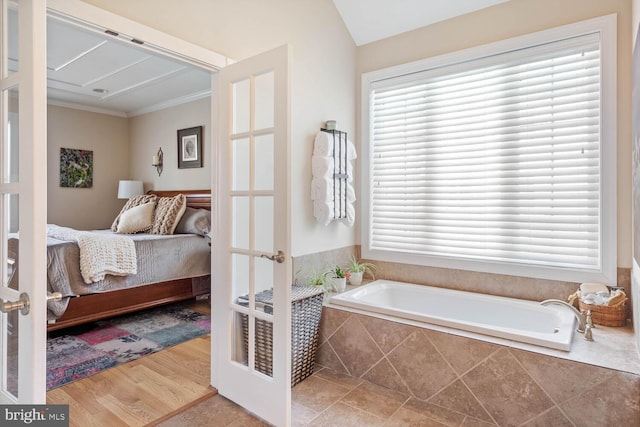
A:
498,159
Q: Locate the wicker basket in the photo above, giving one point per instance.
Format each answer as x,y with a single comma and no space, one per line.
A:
605,315
306,309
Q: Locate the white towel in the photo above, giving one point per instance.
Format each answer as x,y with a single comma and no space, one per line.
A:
332,196
351,194
342,188
321,189
322,166
351,215
323,211
323,144
344,168
351,151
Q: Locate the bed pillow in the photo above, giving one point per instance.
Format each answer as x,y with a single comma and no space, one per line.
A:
194,221
136,219
169,210
132,203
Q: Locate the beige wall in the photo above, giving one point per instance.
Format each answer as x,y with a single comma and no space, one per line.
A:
323,76
158,129
122,149
107,136
514,18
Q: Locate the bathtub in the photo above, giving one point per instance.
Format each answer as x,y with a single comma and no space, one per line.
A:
509,318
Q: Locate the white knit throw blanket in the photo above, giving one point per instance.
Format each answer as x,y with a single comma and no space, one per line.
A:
100,254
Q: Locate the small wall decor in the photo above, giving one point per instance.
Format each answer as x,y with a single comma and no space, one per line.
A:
76,168
190,148
158,160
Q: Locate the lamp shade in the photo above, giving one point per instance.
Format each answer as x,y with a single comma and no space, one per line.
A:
127,189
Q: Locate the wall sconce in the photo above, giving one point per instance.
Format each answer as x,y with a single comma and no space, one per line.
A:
157,161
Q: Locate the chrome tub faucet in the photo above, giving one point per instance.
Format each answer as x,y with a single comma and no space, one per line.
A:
579,316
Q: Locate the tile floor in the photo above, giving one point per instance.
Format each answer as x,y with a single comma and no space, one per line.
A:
328,398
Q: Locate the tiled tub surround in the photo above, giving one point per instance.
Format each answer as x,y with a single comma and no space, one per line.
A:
459,380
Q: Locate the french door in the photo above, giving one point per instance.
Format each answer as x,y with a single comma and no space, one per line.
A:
23,201
251,287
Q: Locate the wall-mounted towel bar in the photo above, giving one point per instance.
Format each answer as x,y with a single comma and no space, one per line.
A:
340,172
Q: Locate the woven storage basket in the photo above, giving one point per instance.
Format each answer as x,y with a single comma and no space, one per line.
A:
306,309
605,315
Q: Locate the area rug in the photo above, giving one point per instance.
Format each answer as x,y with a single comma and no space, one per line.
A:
101,345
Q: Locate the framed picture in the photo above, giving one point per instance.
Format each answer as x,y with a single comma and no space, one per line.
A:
76,168
190,148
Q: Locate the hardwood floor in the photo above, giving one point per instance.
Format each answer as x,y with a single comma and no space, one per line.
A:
146,391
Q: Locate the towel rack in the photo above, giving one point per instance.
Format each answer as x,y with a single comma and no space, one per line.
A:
340,172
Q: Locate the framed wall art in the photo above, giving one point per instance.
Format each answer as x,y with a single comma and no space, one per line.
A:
190,148
76,168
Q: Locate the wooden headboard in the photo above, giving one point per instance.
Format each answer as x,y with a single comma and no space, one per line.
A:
198,199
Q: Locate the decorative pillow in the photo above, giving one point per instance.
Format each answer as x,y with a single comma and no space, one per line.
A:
169,210
194,221
131,203
136,219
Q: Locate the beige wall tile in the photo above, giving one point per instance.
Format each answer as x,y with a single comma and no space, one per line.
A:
457,397
505,389
462,353
421,366
330,320
385,333
327,357
385,375
503,384
576,377
355,347
614,402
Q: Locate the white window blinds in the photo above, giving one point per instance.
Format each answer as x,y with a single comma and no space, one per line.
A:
492,159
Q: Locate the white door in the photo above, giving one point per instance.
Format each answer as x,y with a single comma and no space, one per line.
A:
251,353
23,201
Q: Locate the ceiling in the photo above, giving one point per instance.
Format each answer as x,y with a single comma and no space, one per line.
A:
108,73
99,70
371,20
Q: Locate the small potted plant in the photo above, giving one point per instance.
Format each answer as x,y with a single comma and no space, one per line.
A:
318,278
321,279
357,269
340,277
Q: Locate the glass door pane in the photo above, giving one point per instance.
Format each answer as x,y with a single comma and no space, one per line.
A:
9,173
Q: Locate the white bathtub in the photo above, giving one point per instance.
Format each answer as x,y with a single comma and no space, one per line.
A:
510,318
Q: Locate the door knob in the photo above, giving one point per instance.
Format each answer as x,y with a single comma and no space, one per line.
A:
278,257
22,304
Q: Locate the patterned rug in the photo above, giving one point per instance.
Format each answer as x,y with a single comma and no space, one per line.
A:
89,349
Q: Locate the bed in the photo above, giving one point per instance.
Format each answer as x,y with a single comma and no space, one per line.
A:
171,268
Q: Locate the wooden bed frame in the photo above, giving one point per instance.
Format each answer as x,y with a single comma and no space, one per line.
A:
92,307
